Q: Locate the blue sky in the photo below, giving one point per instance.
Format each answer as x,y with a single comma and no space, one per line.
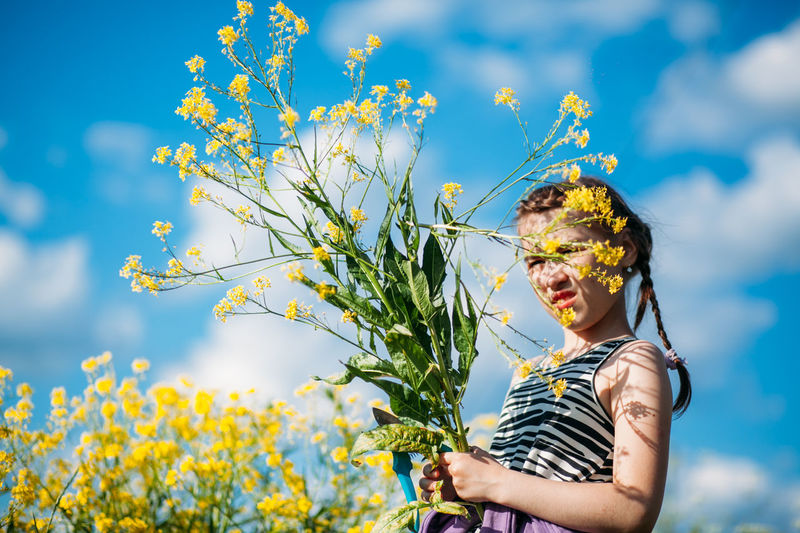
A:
700,102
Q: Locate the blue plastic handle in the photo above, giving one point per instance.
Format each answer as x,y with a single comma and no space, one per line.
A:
401,464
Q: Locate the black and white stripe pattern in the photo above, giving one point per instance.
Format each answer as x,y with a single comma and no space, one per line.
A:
569,438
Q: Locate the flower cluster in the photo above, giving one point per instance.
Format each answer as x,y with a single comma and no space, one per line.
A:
118,458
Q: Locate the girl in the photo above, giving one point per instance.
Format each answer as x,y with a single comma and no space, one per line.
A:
594,459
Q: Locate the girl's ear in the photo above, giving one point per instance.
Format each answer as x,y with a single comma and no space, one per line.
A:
631,251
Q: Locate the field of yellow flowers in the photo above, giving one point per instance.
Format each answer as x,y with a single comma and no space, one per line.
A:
177,458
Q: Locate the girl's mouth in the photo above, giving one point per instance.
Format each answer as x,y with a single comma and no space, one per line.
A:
563,299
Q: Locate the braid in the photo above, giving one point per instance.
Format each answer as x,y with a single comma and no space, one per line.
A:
552,196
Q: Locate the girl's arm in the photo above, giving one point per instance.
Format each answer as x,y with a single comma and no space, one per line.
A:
640,399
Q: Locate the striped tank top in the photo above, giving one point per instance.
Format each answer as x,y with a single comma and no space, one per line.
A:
569,438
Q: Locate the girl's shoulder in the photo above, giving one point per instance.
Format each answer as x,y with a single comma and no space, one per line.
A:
638,351
635,368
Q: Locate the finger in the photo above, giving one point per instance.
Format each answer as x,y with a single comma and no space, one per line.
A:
425,484
430,471
426,495
446,457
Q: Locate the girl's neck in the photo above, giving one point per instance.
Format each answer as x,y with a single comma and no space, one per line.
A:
613,325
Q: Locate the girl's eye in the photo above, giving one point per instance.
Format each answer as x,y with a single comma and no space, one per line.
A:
535,263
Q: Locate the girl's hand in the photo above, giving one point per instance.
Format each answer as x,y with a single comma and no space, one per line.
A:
431,475
473,475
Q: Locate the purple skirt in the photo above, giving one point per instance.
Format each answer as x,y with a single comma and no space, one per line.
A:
496,519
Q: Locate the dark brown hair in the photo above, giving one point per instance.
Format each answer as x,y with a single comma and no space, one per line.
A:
552,196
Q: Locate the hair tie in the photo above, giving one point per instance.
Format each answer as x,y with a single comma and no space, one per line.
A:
672,359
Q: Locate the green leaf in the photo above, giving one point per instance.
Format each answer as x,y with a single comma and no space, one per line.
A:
433,264
403,401
464,328
414,364
384,232
399,519
366,363
398,438
451,508
345,299
419,288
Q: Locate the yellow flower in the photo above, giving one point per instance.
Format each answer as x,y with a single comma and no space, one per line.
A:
506,317
358,217
551,245
162,153
197,106
196,63
558,387
291,310
161,229
499,280
583,270
451,191
103,523
294,271
557,358
339,454
184,157
317,114
321,254
244,7
607,254
198,193
324,290
278,155
572,104
227,35
239,87
403,84
349,316
379,91
334,232
104,385
290,117
574,173
90,364
582,139
608,163
108,409
373,41
524,369
261,283
427,100
505,96
203,402
565,316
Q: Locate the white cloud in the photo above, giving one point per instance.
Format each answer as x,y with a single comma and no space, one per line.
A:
118,325
21,203
719,233
121,154
726,490
692,22
765,72
536,31
713,238
705,102
42,281
268,353
346,21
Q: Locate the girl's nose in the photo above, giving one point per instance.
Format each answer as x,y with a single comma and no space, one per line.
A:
552,275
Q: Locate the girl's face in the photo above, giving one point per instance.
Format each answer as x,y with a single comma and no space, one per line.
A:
559,285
